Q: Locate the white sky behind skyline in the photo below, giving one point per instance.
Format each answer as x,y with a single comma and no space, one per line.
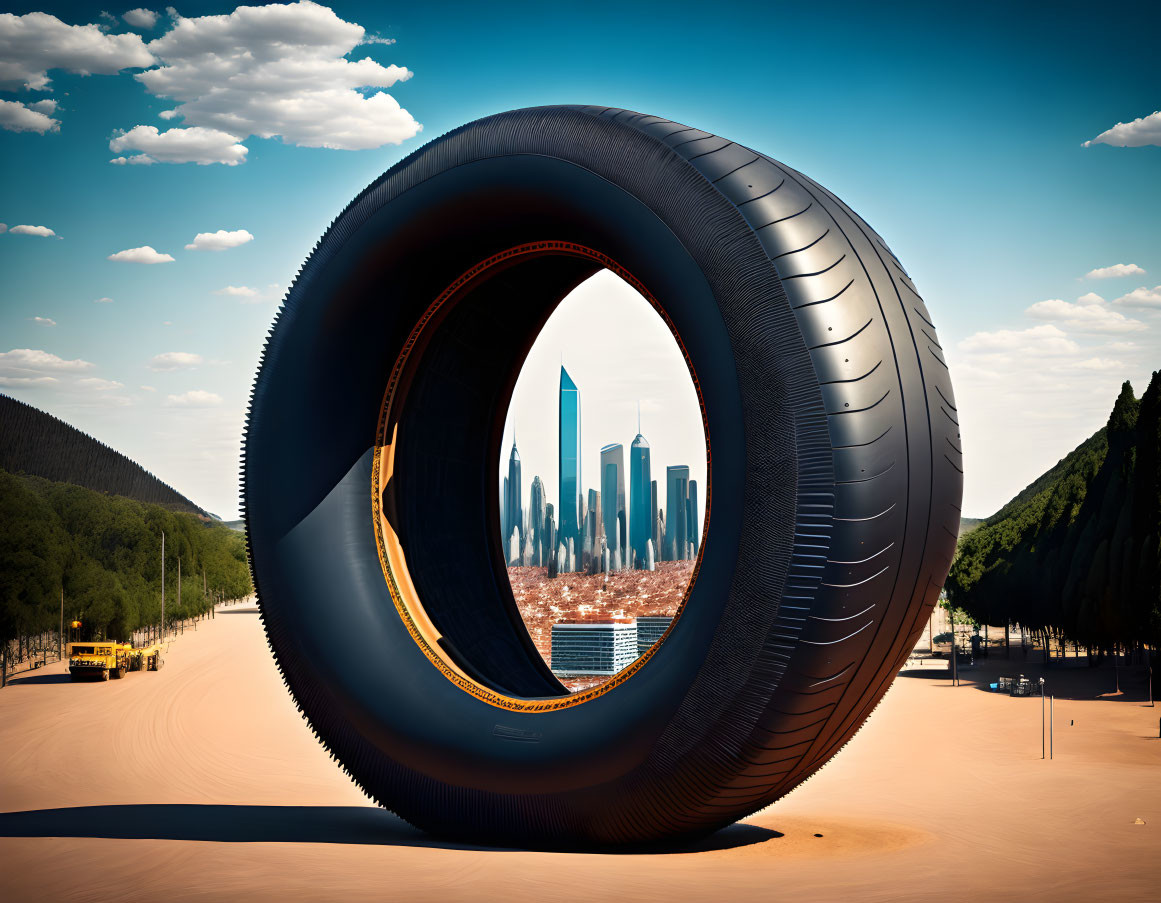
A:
614,368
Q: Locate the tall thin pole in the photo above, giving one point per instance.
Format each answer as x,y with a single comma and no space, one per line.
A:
1042,718
163,584
954,650
61,637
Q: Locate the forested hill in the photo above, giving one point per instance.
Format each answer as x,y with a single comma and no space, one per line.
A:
1077,552
39,444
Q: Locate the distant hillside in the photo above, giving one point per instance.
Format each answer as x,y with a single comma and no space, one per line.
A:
39,444
1078,552
967,524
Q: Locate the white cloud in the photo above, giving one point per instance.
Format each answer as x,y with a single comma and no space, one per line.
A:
35,43
147,388
1089,314
238,291
248,295
174,360
1036,341
1147,298
191,145
1100,363
36,359
219,241
102,300
43,321
144,254
1115,271
17,381
41,231
140,18
97,384
135,160
17,117
195,398
279,71
1138,133
34,366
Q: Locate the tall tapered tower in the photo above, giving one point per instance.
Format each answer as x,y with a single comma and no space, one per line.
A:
640,498
571,501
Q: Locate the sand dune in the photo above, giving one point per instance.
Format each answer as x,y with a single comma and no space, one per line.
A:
200,782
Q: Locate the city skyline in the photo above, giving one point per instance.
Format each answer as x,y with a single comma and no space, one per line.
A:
593,533
602,320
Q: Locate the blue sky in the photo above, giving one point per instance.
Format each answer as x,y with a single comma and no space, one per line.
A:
958,134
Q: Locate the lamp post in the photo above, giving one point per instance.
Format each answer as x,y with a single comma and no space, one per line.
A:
1042,718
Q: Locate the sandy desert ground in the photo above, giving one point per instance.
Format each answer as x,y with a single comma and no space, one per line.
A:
200,782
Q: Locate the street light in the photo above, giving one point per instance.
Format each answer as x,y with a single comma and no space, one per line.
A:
1042,718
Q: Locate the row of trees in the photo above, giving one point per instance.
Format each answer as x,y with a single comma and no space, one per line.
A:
1078,553
104,552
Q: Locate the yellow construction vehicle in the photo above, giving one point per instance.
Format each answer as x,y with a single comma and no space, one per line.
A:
100,660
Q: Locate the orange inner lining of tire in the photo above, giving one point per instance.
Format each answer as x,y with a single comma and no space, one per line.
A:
392,557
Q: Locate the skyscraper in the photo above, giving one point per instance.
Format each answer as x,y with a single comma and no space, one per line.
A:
655,522
513,507
693,525
536,502
641,492
613,496
676,513
570,461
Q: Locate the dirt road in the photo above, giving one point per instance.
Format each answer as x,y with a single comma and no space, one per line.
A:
201,782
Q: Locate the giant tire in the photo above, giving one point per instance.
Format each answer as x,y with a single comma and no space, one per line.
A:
835,479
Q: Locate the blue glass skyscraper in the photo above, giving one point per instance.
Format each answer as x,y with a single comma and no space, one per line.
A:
570,462
676,512
640,499
693,522
613,497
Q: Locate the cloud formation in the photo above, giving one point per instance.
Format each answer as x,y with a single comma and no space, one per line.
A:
238,291
194,145
33,44
219,241
279,71
33,365
102,300
194,398
1138,133
1115,271
1090,314
174,360
1036,341
1147,298
18,117
140,18
97,384
40,231
144,254
43,321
